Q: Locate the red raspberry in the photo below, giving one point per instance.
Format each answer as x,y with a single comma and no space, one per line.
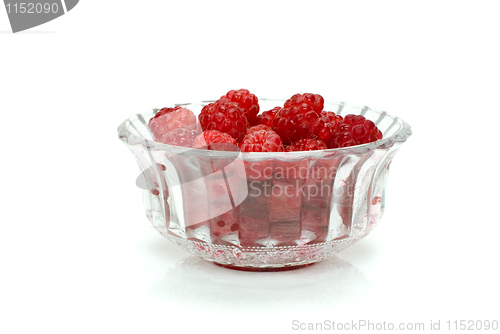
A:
332,117
327,125
355,130
246,100
267,117
167,120
300,118
257,128
224,116
163,111
183,136
262,141
215,140
313,101
306,144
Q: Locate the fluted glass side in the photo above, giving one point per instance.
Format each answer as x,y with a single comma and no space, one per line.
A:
265,210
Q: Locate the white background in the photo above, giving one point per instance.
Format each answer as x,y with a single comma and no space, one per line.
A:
77,252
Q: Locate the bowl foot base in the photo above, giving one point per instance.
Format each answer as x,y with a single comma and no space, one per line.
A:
265,269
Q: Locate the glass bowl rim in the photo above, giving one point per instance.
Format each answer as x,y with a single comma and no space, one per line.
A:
401,135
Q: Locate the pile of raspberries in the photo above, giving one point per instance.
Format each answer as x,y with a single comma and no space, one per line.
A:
233,122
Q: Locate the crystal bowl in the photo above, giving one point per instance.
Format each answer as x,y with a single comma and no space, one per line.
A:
264,211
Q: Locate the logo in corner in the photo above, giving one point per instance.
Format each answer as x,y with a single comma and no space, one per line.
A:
26,14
